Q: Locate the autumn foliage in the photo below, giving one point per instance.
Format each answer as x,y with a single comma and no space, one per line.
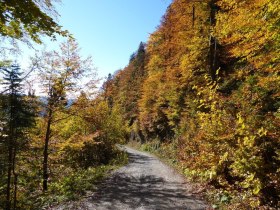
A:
210,85
204,91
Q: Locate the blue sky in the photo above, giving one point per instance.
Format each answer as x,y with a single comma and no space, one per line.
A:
110,30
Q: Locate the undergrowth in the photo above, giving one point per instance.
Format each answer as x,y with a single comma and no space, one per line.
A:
76,184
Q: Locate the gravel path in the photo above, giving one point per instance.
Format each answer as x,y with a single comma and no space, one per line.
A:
145,183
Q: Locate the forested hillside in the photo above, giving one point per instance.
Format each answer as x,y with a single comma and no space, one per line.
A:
205,91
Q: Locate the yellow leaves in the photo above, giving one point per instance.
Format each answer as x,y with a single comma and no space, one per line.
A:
186,67
155,63
249,141
240,119
224,158
250,29
212,174
262,132
252,182
195,87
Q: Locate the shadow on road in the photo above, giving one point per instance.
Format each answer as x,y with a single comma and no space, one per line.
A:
143,190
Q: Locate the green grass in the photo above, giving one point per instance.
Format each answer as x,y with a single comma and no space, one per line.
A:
79,183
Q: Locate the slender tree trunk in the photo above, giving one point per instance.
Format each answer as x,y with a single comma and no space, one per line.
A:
15,179
10,157
15,191
46,155
193,15
212,42
212,57
10,150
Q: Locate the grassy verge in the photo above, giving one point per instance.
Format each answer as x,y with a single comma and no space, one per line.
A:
78,183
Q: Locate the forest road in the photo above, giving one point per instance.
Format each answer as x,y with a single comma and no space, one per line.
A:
145,183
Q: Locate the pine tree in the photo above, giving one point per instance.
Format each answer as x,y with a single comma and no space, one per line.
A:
17,115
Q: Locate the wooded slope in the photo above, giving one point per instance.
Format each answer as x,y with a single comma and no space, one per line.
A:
208,83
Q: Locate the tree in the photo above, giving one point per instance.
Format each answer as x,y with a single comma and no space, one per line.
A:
60,73
212,90
123,90
92,133
107,88
28,19
17,115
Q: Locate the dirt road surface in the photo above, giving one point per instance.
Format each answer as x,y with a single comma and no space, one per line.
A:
145,183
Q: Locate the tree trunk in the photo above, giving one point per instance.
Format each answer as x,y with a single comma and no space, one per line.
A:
212,57
212,41
15,178
193,15
10,157
15,191
46,155
10,151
